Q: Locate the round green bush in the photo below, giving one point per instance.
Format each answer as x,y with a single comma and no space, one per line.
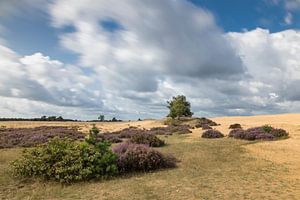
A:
148,139
67,161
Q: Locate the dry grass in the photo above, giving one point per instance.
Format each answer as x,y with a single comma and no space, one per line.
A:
209,169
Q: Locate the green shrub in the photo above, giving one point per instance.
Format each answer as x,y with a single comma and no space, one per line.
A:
92,138
67,161
148,139
267,128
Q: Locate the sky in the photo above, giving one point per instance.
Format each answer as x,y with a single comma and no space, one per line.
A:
125,59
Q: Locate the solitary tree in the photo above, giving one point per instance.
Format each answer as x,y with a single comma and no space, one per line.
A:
101,118
179,107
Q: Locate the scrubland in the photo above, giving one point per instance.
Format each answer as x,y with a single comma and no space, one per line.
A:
223,168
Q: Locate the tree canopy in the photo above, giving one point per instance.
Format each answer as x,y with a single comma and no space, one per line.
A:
179,107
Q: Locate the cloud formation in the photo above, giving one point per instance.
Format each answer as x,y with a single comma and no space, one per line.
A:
136,55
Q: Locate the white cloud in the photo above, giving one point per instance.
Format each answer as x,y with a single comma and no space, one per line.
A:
161,49
160,43
273,59
292,5
14,7
288,19
38,78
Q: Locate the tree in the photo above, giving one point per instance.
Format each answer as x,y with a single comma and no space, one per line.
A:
101,118
60,118
179,107
44,118
114,119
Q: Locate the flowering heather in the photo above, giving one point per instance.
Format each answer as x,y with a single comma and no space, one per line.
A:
27,137
140,157
258,133
169,130
206,127
148,139
212,133
205,122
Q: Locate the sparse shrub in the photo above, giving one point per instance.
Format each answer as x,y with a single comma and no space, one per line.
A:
169,130
206,127
182,129
212,133
204,122
172,122
278,132
236,133
113,138
67,161
267,128
234,126
258,133
138,157
127,132
28,137
148,139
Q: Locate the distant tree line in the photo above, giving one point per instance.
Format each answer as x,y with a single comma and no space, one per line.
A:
58,119
43,118
101,119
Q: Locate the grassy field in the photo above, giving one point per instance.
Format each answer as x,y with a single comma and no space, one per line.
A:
208,169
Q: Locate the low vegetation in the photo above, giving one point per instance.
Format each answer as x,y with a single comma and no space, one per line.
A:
212,133
148,139
170,130
139,157
234,126
206,127
28,137
67,161
204,163
192,122
259,133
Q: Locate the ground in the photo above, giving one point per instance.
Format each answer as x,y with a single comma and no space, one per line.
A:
208,168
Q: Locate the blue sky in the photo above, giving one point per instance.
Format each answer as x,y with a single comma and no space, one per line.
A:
125,59
30,32
236,15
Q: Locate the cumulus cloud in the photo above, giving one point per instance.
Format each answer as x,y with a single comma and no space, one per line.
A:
273,60
135,55
38,78
10,8
288,19
158,43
